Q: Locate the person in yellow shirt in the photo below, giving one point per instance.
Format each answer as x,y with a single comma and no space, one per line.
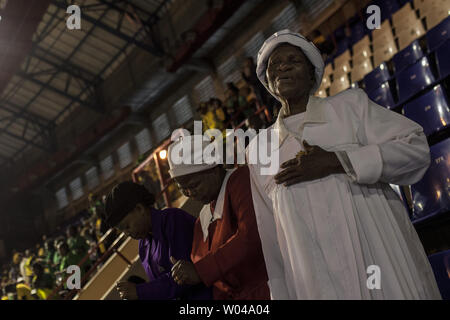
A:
211,119
23,290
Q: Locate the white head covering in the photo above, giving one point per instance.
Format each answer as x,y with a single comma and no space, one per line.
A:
297,40
193,161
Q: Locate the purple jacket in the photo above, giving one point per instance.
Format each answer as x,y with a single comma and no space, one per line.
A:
172,234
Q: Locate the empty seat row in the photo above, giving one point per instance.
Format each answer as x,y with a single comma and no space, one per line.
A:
407,26
410,80
431,196
431,110
362,61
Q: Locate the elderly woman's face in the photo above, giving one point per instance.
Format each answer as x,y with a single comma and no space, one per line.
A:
289,72
203,186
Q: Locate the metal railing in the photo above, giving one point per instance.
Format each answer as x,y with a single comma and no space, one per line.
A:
113,248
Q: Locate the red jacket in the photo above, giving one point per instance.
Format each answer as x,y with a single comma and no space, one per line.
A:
231,258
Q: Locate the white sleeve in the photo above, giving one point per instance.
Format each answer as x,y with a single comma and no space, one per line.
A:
393,149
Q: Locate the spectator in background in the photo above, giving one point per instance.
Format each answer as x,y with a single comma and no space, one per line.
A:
25,267
211,119
161,234
42,281
49,248
14,271
40,251
76,242
57,256
23,290
68,258
78,245
235,104
217,105
250,77
202,109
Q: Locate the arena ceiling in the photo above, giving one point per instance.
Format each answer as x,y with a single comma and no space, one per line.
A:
62,69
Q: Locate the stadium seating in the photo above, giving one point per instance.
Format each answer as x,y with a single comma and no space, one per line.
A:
440,263
362,44
430,110
360,70
387,8
358,30
342,45
443,61
437,35
436,14
328,69
380,36
404,13
339,84
385,52
411,31
407,56
430,195
361,56
382,96
375,78
326,82
413,79
321,92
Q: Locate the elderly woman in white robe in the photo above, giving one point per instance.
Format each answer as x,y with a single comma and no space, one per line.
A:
331,227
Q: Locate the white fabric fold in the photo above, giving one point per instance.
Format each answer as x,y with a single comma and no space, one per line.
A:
206,216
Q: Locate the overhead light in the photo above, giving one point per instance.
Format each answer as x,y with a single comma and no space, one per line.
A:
163,154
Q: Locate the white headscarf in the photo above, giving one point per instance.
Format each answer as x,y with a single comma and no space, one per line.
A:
193,161
297,40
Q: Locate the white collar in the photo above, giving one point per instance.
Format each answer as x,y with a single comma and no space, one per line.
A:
206,215
315,113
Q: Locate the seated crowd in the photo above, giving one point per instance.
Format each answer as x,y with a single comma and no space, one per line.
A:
36,273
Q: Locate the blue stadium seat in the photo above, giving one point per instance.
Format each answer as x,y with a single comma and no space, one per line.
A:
430,195
387,8
443,60
382,96
413,79
376,77
439,34
407,56
430,110
358,31
440,263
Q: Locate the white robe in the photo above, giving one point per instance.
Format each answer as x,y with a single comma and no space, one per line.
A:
319,237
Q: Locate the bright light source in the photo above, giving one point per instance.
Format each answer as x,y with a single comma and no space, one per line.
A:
163,154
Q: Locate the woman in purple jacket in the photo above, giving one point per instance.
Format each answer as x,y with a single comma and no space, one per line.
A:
162,234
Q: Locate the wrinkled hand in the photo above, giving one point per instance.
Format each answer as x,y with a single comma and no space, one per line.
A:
183,272
311,164
127,290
